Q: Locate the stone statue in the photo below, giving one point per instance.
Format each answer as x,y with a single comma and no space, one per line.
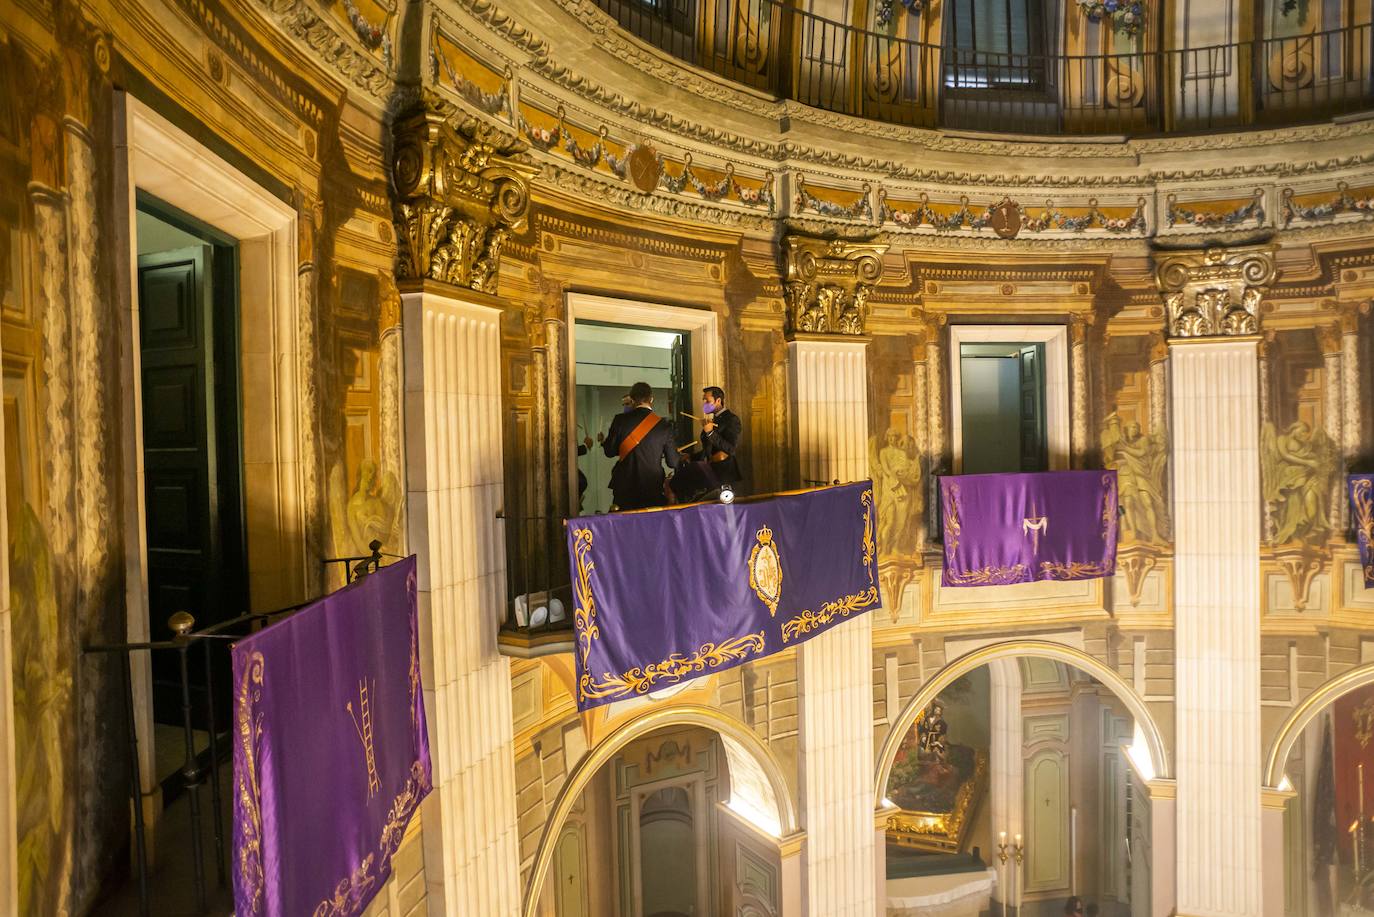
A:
1299,467
897,489
1138,460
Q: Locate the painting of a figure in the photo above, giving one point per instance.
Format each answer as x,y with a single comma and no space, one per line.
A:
1299,467
896,471
1138,459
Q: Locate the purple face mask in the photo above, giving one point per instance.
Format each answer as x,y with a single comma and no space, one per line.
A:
708,407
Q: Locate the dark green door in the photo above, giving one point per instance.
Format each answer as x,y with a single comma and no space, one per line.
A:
1034,454
190,453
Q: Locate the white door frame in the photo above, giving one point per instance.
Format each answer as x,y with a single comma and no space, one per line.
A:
700,325
153,155
1056,341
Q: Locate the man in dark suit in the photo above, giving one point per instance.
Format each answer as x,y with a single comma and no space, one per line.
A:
720,436
643,443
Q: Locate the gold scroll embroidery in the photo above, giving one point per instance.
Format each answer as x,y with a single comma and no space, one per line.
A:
584,603
809,620
249,728
1362,495
952,528
641,679
990,576
1076,569
362,724
870,543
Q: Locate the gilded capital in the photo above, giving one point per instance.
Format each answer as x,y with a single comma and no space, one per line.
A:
829,282
460,192
1215,292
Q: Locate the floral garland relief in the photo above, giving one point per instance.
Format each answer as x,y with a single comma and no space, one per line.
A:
374,37
1125,16
1224,219
1050,218
885,9
1361,202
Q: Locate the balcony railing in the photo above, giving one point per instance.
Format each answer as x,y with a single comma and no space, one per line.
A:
788,52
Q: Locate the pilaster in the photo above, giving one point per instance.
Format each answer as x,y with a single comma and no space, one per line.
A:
1213,301
829,389
453,494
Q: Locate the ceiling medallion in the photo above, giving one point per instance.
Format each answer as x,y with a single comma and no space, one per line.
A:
643,168
1006,219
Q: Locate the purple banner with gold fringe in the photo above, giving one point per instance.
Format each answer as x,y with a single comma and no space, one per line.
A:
665,596
331,753
1017,528
1362,514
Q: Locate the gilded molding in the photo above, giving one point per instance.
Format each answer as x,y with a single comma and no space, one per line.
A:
1216,291
300,20
459,193
829,282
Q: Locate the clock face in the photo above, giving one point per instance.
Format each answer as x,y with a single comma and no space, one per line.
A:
643,168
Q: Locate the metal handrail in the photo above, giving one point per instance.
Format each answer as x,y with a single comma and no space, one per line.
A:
774,46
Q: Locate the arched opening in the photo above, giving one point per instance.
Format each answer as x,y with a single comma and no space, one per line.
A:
1017,777
679,812
1322,760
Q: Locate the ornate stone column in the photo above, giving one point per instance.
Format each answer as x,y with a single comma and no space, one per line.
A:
1352,413
1213,316
1079,328
389,375
1159,385
828,283
1007,764
1332,343
459,192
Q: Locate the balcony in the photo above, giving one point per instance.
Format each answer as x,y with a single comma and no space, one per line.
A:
780,49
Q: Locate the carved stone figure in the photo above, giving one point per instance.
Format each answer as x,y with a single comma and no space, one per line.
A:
897,487
1299,467
1138,460
372,512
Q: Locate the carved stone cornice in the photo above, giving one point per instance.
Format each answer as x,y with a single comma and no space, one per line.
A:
829,282
459,193
1215,291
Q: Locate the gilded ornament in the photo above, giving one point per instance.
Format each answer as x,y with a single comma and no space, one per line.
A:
1217,292
460,192
829,282
1006,219
643,168
765,570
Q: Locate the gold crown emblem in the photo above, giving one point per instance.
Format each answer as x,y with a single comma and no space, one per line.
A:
765,535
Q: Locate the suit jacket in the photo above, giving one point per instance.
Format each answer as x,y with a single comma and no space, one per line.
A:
637,479
724,438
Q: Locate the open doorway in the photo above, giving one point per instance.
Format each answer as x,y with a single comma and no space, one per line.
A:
188,344
611,358
1003,406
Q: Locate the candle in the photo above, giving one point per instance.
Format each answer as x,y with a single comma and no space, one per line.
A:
1018,840
1002,837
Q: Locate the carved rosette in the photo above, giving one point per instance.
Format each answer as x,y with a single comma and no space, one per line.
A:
829,282
459,193
1215,292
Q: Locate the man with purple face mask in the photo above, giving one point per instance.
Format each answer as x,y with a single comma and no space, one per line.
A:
720,436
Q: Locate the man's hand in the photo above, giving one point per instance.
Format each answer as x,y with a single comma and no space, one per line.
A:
601,437
588,442
709,426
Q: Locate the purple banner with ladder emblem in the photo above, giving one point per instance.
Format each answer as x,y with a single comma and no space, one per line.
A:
1017,528
331,753
1362,515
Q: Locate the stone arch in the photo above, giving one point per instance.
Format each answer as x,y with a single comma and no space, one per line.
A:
752,766
1307,711
1010,649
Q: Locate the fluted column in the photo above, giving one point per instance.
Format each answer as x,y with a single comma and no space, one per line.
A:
1215,399
829,388
1350,395
453,493
1007,764
935,396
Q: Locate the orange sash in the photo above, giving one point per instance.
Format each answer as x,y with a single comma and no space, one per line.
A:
627,445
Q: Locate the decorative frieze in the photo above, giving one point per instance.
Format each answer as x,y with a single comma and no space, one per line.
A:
1215,291
829,282
460,191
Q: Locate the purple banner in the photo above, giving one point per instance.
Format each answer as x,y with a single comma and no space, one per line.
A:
1018,528
1362,513
331,753
665,596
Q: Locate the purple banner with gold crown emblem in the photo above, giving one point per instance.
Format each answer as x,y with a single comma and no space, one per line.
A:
1362,514
331,753
665,596
1017,528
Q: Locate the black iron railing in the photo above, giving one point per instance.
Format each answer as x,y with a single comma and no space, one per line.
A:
205,702
788,52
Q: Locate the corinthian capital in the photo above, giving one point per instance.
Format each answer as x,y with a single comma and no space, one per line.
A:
829,282
460,191
1214,292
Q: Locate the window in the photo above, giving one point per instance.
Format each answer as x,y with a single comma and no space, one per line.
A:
995,44
1009,398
